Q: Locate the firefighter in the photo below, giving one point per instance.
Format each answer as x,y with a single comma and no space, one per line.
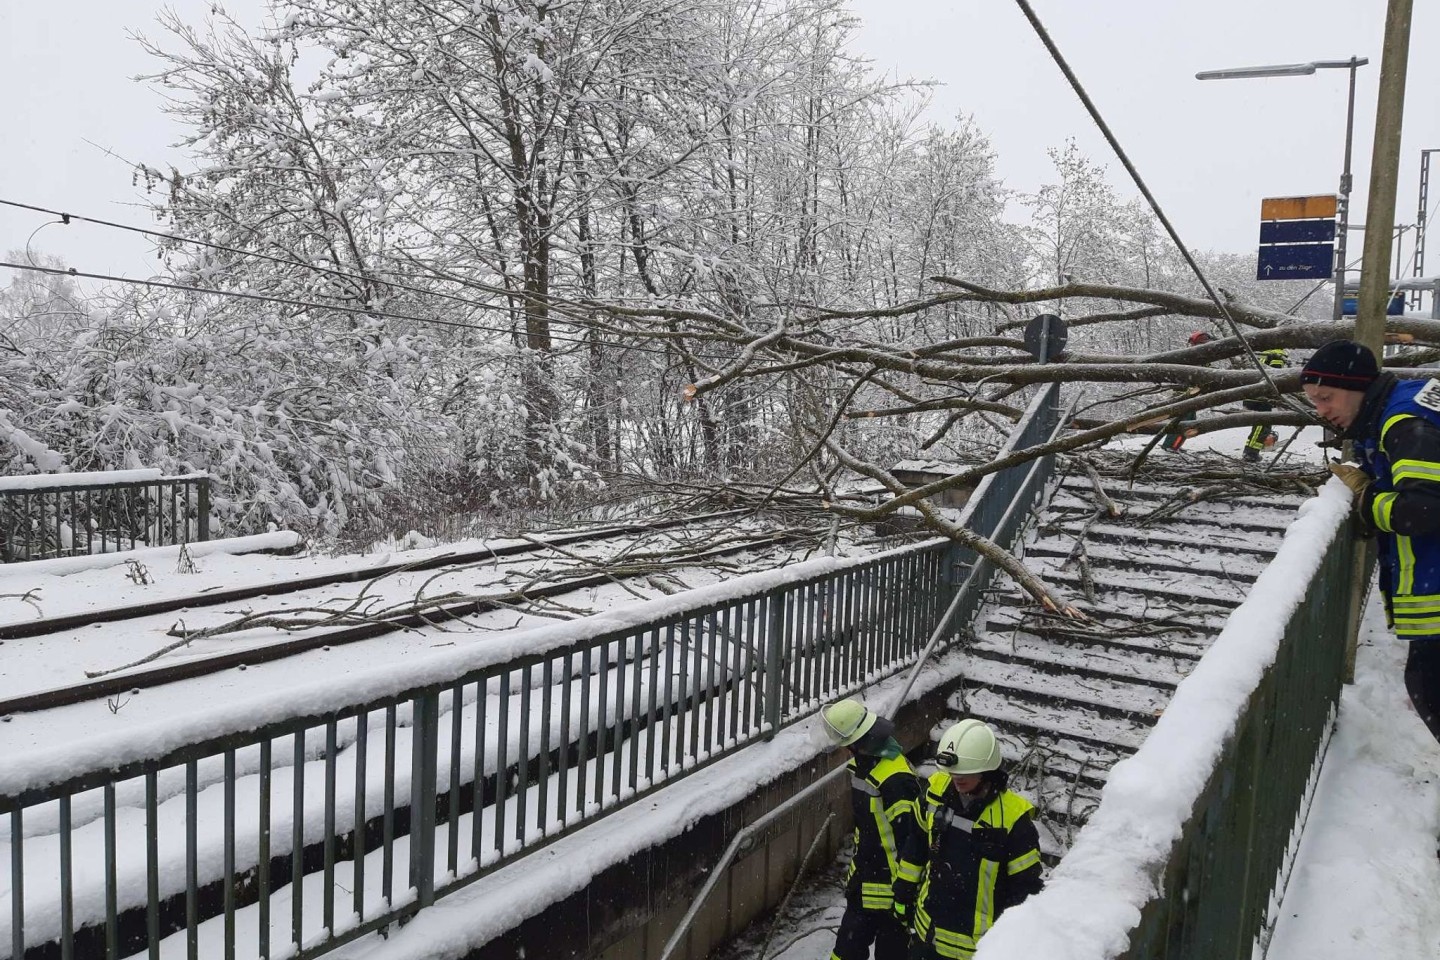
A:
1261,435
1395,426
1182,427
884,798
979,853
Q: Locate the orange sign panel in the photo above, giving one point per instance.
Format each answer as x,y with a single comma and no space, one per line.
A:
1320,207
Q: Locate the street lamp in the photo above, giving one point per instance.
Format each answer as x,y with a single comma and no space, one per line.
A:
1305,70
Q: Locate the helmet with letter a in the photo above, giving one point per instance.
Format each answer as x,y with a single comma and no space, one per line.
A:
968,747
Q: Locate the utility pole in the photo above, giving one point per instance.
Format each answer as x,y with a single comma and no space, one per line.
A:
1374,296
1384,172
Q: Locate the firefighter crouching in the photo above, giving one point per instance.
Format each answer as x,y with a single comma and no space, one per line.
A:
884,798
978,854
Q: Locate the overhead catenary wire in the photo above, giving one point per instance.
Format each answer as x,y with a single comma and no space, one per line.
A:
306,304
557,306
66,218
1145,191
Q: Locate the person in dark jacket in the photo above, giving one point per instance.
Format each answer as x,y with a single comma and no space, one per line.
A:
979,854
1395,427
1182,428
1262,435
884,799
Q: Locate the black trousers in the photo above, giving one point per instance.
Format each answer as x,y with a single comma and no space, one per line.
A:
860,928
1422,681
1258,433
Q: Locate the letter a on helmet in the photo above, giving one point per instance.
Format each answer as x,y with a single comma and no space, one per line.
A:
968,747
847,721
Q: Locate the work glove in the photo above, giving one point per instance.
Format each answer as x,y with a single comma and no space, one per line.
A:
1352,476
903,913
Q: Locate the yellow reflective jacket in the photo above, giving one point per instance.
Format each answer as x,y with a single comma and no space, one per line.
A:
885,802
968,866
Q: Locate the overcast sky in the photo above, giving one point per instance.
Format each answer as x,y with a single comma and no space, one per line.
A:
1209,150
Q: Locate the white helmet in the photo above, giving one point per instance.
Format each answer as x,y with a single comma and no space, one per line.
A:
847,721
968,747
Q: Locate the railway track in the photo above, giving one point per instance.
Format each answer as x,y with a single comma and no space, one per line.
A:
46,625
134,680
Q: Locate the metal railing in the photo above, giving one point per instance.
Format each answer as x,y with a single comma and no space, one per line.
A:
1219,887
382,806
67,516
1225,876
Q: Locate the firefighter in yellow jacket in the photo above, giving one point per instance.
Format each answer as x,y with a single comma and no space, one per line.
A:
1262,435
884,798
979,853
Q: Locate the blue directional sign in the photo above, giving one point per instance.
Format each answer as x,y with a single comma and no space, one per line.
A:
1296,261
1297,238
1297,231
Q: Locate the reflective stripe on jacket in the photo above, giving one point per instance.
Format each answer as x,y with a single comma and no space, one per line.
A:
969,870
885,802
1274,357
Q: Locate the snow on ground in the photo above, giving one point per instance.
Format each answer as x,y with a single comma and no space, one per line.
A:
47,746
63,590
1366,881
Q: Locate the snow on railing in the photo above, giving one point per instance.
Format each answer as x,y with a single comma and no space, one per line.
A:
1186,854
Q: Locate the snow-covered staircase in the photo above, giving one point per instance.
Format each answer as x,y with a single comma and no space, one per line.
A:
1070,699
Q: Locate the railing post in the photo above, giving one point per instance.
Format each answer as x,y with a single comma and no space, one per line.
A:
425,751
774,661
203,509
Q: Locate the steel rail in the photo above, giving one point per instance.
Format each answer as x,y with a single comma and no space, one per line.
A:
160,676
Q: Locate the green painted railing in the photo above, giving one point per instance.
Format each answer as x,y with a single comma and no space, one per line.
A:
1255,723
1227,873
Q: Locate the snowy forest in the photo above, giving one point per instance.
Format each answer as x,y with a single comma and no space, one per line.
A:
436,260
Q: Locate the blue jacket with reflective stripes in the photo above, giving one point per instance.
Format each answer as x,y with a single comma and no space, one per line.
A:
1397,436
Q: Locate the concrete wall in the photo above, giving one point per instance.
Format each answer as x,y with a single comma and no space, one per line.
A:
631,910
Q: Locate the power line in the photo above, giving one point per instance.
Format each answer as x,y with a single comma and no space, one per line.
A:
1144,190
66,218
561,308
286,301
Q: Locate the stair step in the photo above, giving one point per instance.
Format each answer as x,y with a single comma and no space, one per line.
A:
1268,519
1049,657
1209,536
1154,556
1119,490
1184,645
1219,595
1026,718
1201,622
1141,703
